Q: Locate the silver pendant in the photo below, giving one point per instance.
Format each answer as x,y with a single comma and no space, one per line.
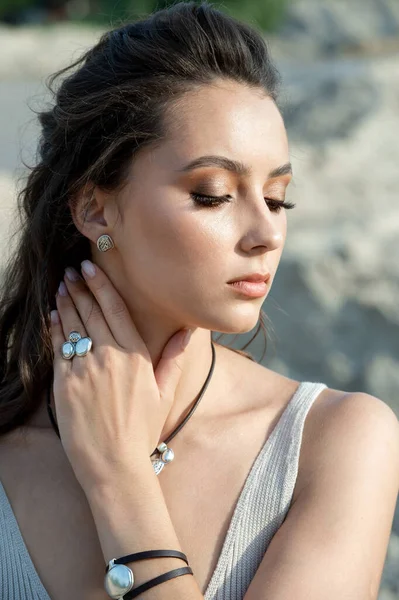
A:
167,455
158,465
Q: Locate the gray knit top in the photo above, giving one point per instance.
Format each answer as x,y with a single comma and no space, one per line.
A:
259,512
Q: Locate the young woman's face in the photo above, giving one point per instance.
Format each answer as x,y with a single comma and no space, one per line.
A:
178,254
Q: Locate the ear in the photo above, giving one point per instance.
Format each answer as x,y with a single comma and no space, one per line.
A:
92,211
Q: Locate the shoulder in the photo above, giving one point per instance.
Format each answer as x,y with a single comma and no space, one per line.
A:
349,428
359,418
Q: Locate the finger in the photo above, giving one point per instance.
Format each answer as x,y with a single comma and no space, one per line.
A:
69,316
88,309
171,364
61,366
113,307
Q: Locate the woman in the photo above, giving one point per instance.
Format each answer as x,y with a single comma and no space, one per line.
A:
161,179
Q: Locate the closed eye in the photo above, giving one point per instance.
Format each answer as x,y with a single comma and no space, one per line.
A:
214,201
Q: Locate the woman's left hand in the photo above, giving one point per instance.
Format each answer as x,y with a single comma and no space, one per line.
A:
110,404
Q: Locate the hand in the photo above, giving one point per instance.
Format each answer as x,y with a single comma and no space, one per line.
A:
110,404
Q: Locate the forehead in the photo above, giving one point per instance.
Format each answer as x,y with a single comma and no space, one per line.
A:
226,118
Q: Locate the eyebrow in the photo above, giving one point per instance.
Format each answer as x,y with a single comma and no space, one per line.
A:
232,165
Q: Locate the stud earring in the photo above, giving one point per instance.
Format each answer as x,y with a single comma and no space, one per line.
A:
105,242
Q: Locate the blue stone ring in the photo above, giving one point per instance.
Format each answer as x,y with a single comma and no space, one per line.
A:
76,345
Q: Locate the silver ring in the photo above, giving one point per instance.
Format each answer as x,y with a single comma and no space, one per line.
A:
76,346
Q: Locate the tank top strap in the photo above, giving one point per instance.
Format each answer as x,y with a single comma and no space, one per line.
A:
285,446
289,429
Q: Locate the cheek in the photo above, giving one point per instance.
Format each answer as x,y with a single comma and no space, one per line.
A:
193,244
172,241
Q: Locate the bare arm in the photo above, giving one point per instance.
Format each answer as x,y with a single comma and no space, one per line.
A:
334,541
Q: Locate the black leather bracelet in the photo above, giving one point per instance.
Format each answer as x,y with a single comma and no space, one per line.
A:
157,580
123,560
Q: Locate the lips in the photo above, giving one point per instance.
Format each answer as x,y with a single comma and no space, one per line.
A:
253,277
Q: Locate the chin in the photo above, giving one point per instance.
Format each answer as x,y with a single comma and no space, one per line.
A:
238,321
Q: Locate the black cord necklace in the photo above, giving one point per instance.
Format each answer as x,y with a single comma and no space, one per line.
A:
174,432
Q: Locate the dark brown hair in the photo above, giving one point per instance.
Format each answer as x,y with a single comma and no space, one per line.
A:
104,112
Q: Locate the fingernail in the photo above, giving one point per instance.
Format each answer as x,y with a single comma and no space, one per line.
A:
88,268
71,274
54,316
186,338
62,289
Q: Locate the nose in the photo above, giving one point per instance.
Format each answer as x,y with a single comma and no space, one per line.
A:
260,226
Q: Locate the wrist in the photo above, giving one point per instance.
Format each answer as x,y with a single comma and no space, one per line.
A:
119,475
130,514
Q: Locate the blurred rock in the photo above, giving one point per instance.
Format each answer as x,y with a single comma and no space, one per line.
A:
316,91
8,221
327,28
390,577
33,52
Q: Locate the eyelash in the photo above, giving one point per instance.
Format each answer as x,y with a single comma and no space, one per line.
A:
214,201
